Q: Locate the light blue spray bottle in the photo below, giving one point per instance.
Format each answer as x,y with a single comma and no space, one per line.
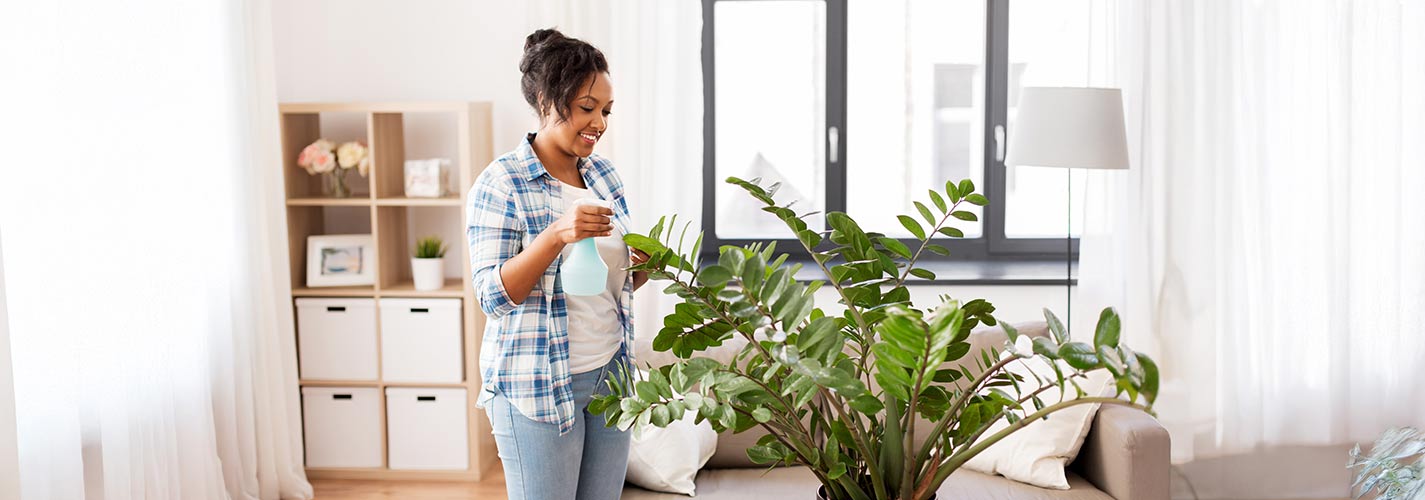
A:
584,272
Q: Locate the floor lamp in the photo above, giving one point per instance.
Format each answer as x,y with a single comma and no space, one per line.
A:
1068,127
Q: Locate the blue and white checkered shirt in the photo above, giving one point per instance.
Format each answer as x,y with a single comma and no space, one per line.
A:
525,354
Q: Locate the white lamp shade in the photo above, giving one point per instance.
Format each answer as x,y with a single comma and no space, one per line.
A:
1069,127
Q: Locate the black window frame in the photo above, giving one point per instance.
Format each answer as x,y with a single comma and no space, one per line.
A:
991,245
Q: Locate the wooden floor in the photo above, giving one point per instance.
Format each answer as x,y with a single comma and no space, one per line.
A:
349,489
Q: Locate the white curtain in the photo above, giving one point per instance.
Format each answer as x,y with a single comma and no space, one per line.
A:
655,133
1268,245
149,319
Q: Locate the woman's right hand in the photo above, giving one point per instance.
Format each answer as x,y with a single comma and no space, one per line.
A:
583,221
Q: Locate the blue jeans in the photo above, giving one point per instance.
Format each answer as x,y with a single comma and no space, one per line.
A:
588,463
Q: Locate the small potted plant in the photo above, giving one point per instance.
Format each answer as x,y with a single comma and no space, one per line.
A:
325,157
428,263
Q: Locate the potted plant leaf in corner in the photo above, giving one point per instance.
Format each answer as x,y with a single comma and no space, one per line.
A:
840,394
428,264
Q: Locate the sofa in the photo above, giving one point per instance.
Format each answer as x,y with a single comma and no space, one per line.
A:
1124,457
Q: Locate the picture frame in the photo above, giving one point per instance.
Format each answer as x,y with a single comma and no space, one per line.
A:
341,260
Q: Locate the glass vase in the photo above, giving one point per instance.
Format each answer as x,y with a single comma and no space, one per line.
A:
336,184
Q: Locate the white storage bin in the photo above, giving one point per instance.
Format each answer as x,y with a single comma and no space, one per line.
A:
336,338
425,429
342,426
420,340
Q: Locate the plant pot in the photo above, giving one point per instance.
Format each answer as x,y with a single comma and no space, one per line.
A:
821,494
428,273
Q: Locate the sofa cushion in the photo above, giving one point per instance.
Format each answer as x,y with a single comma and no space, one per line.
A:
796,483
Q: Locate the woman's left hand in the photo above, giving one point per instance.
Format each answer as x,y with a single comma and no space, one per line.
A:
637,257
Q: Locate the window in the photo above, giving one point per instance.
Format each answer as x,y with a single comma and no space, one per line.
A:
861,105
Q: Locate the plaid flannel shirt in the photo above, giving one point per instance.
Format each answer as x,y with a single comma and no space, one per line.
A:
525,353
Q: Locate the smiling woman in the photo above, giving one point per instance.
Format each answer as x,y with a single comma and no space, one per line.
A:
546,353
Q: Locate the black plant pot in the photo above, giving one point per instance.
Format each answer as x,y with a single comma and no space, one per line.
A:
821,494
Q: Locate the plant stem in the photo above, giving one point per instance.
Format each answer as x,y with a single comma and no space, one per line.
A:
959,404
926,242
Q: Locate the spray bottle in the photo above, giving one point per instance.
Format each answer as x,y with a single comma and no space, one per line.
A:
584,272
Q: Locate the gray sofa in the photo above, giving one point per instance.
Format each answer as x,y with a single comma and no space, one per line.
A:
1124,457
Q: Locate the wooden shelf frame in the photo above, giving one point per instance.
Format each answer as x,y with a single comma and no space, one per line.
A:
388,210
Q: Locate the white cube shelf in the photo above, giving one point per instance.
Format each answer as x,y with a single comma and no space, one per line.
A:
420,340
336,338
426,429
342,426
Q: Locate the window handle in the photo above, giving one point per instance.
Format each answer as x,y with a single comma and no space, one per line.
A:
833,135
999,143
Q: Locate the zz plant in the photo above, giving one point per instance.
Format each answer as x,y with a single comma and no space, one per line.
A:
840,394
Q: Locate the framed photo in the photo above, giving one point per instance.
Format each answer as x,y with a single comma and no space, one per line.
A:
341,260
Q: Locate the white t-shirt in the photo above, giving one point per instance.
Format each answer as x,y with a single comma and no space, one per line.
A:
595,332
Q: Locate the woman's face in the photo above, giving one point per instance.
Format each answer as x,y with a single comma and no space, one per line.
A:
588,117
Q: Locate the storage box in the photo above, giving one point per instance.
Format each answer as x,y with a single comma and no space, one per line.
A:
342,426
427,178
421,341
336,338
426,429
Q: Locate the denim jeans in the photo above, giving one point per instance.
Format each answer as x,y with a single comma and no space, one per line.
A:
588,463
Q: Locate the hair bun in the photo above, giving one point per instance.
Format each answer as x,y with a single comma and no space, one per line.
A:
541,36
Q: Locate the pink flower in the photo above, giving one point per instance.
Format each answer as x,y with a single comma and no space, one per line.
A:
317,157
323,162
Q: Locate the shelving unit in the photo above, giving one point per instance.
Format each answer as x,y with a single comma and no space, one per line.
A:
379,206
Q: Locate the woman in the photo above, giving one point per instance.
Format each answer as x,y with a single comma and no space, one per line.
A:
545,353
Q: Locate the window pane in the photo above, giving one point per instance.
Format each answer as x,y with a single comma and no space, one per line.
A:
1049,46
770,83
915,106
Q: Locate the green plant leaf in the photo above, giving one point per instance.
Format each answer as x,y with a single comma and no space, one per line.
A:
938,249
978,199
1043,346
966,187
938,201
965,216
1108,326
922,273
714,275
1010,331
1079,355
952,232
867,404
1150,378
912,226
895,246
925,212
762,415
1055,327
953,191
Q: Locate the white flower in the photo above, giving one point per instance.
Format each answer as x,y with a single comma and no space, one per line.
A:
364,166
350,154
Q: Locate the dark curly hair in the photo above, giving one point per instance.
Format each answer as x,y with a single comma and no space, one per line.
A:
553,68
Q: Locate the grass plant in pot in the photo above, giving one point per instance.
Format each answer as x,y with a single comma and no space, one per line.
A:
428,263
840,394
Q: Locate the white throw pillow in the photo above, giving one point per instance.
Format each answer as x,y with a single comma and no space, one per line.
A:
1037,453
668,459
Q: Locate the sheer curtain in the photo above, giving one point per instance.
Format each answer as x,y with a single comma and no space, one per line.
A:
1268,242
150,331
655,133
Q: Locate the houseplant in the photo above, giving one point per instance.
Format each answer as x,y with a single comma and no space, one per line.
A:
838,394
428,263
1388,469
326,158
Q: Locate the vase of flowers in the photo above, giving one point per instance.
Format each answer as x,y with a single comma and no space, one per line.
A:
334,162
428,263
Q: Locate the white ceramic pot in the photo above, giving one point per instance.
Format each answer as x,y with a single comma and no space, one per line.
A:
428,273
